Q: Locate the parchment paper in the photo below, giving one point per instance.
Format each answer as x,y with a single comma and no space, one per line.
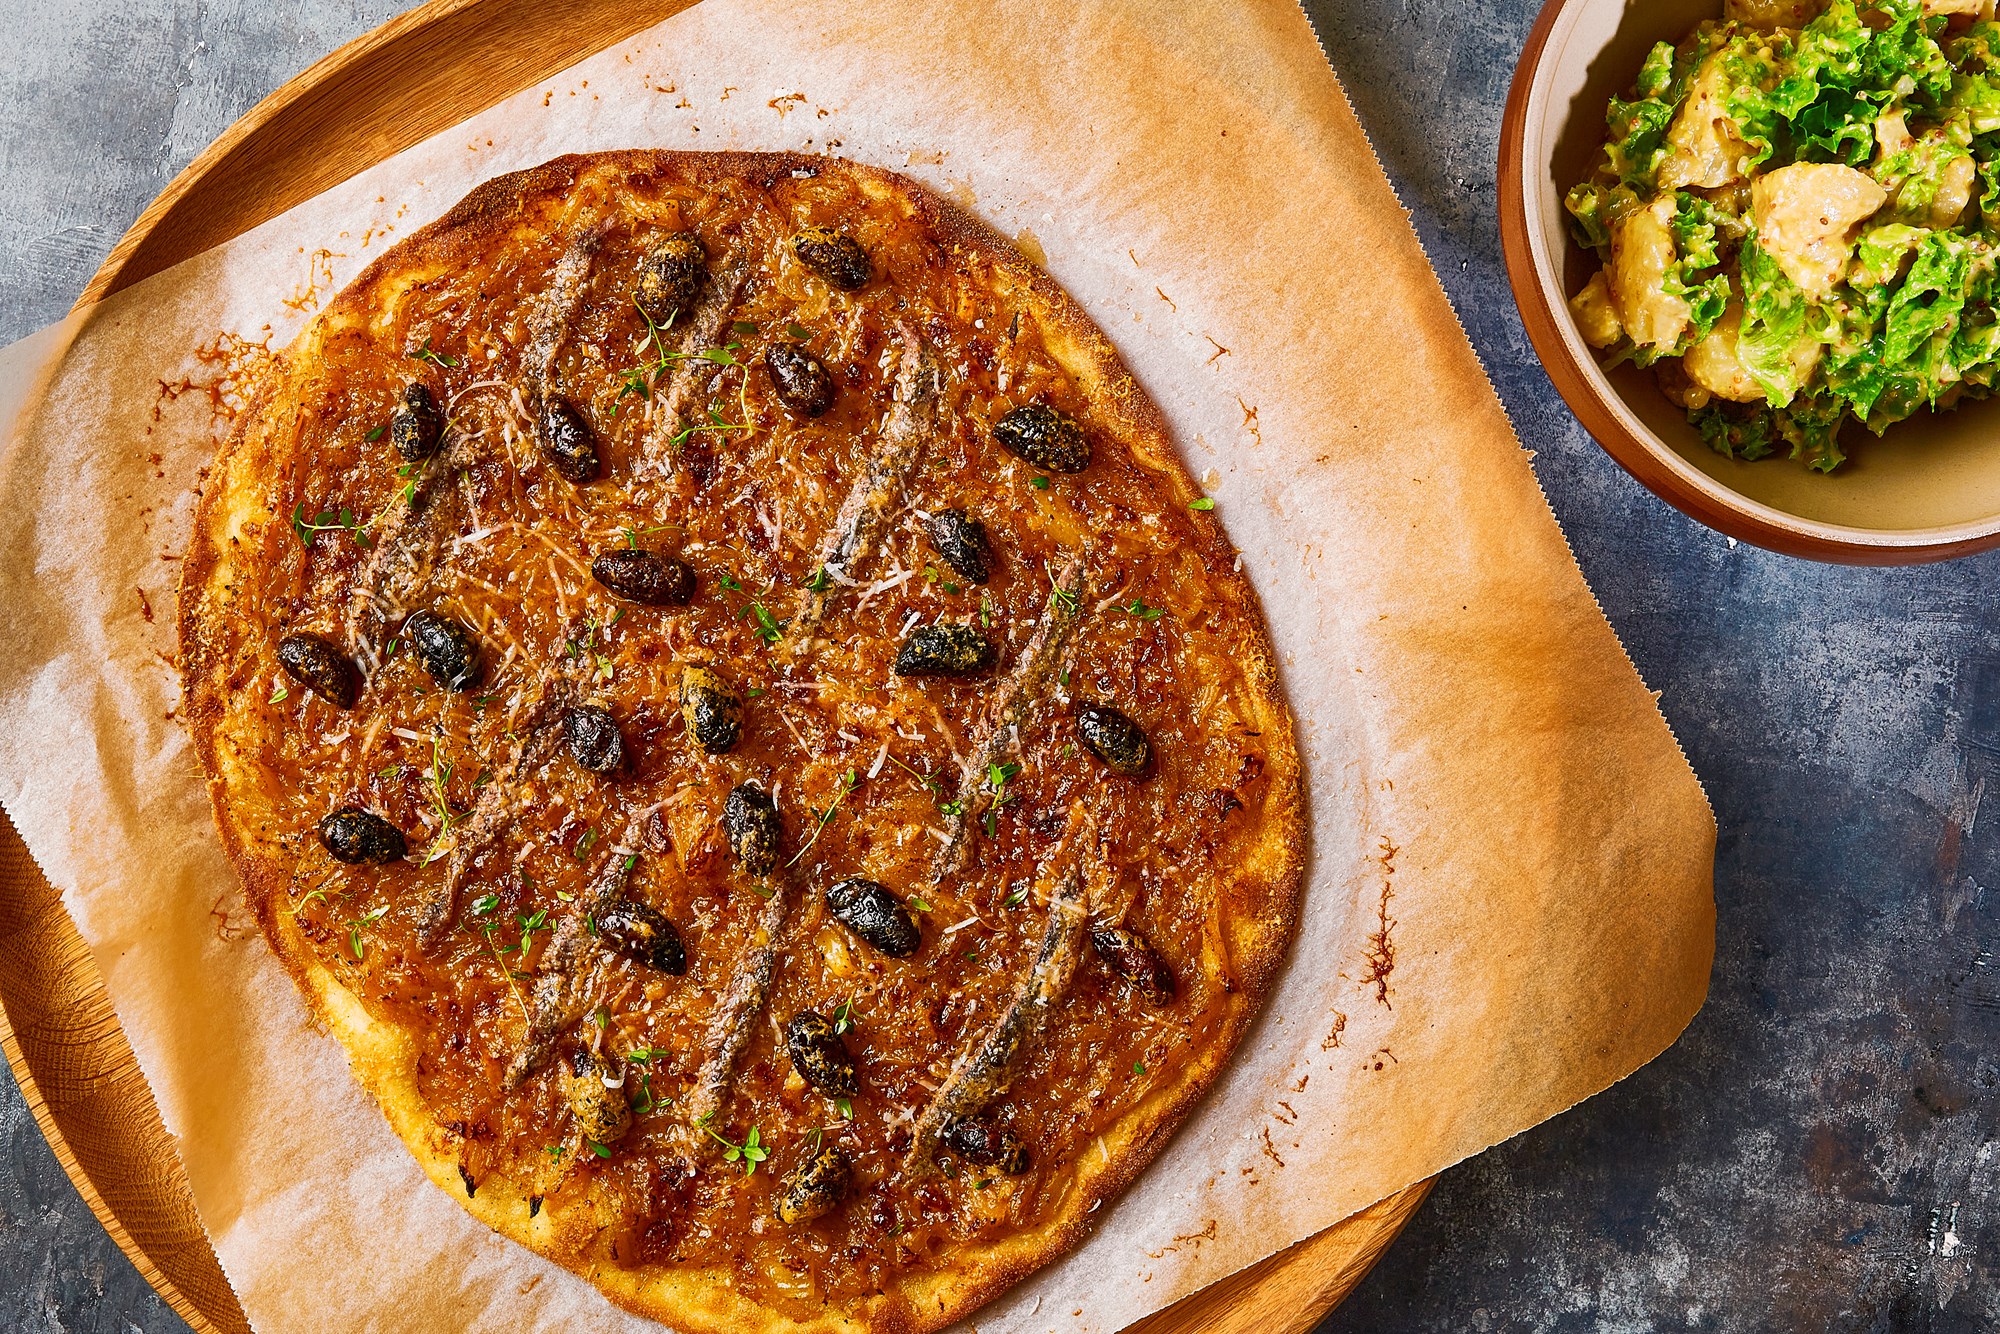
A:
1509,896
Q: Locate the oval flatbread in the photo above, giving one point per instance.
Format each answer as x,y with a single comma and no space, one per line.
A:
726,703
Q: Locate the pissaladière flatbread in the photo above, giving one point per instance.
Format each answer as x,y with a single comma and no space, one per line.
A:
726,703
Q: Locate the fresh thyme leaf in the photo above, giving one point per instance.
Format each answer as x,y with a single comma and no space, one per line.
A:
376,434
1142,611
715,422
278,692
750,1152
1138,1067
1039,483
485,904
583,844
819,582
799,331
848,782
600,1150
846,1107
424,353
1203,504
921,905
327,521
843,1016
743,328
728,581
768,630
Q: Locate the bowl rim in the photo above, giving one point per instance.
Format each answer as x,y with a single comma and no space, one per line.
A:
1537,287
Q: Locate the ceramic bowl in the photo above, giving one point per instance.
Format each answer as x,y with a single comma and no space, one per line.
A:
1928,490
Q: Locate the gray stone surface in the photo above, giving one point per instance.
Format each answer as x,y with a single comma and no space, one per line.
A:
1820,1151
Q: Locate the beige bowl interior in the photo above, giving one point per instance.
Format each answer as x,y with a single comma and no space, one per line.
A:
1934,478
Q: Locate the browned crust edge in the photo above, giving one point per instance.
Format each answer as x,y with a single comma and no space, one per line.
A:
1264,895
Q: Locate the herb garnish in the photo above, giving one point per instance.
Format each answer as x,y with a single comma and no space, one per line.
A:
714,423
1142,611
376,434
997,778
328,521
750,1152
354,941
424,353
1039,483
641,380
799,331
768,629
1205,503
848,782
278,692
632,536
843,1016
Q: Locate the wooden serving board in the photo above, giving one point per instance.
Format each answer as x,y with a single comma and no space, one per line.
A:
433,67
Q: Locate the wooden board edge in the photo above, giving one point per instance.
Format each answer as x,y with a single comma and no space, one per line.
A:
370,99
82,1083
1290,1292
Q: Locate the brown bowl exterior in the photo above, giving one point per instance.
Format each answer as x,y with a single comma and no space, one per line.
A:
1928,492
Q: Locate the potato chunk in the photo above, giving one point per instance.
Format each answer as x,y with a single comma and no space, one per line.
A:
1596,318
1705,151
1806,217
1712,362
1642,250
1773,13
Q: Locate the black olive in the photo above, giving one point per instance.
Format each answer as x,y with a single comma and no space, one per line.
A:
356,836
416,427
321,667
802,380
447,650
602,1114
713,712
1044,437
834,256
819,1055
592,734
814,1187
978,1140
645,577
944,650
568,443
1126,953
750,818
961,540
1115,739
871,912
671,277
641,934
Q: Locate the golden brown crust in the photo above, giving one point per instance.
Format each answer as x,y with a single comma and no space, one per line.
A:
1259,893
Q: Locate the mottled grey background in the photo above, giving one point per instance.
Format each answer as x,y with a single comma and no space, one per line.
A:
1818,1153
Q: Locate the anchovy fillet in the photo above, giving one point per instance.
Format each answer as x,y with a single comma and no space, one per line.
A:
573,956
557,309
982,1072
688,382
410,530
741,1009
864,516
406,538
536,736
1037,666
